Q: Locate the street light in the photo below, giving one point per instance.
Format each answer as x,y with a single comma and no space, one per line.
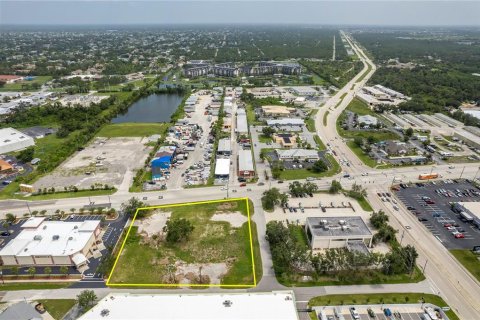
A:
475,178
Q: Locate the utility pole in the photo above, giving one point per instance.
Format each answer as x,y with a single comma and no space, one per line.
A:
26,202
424,266
461,174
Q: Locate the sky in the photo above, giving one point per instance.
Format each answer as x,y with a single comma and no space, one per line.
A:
339,12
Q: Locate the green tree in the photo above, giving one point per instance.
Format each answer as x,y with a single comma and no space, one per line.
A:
409,132
358,141
319,166
64,270
335,187
131,206
47,271
31,271
379,219
271,198
178,230
26,155
15,270
268,131
10,218
86,298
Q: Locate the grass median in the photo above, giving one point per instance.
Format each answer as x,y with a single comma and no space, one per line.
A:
469,260
57,308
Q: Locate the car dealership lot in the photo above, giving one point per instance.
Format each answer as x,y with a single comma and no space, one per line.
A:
430,202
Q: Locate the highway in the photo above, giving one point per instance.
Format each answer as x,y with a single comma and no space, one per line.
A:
445,276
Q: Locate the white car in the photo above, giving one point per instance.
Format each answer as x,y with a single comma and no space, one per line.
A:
451,167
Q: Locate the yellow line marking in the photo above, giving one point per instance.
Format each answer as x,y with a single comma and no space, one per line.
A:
186,284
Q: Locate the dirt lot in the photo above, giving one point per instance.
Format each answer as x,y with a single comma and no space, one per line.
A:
104,161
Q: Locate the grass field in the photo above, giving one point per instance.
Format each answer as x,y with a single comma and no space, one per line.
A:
264,139
132,129
319,143
33,286
360,277
57,308
17,86
360,108
469,260
211,242
325,118
310,122
387,298
361,154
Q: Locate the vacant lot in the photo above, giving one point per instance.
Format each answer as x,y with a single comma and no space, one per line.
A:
104,161
218,251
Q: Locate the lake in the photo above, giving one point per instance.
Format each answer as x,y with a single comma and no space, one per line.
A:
154,108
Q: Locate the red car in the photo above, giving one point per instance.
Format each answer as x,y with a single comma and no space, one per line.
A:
446,225
430,202
459,236
243,184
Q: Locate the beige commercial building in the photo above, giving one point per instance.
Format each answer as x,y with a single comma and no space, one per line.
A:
56,243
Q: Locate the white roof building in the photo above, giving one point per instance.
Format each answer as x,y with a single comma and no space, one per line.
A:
298,154
245,163
42,242
233,306
13,140
222,167
368,120
224,146
242,124
304,91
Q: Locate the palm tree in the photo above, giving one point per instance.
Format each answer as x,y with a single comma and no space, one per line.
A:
10,218
47,271
31,271
15,270
64,270
72,210
81,210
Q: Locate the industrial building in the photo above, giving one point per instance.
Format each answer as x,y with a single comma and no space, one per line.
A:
276,305
286,140
12,140
57,243
298,155
304,91
337,232
277,111
242,124
287,124
162,161
224,147
367,120
245,164
469,211
222,168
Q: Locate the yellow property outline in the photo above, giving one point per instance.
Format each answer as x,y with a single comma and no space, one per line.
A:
186,284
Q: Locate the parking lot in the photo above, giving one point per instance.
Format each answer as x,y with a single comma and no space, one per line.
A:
430,202
399,311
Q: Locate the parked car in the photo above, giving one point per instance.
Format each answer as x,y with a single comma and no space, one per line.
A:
243,184
354,313
371,313
459,236
5,234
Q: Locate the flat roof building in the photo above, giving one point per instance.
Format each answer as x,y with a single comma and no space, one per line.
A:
367,120
59,243
224,147
297,154
13,140
277,305
277,111
284,122
337,232
222,168
304,91
245,164
242,124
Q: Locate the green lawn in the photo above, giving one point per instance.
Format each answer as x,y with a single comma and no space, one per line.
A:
132,129
361,108
18,85
319,142
387,298
361,154
210,242
34,286
310,122
57,308
264,139
469,260
364,204
341,99
325,118
364,74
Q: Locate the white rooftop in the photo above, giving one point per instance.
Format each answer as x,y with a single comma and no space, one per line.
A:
13,140
245,160
224,145
222,167
244,306
242,125
286,122
297,153
55,238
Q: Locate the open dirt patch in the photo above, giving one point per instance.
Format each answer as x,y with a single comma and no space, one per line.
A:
153,224
227,206
236,219
186,273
